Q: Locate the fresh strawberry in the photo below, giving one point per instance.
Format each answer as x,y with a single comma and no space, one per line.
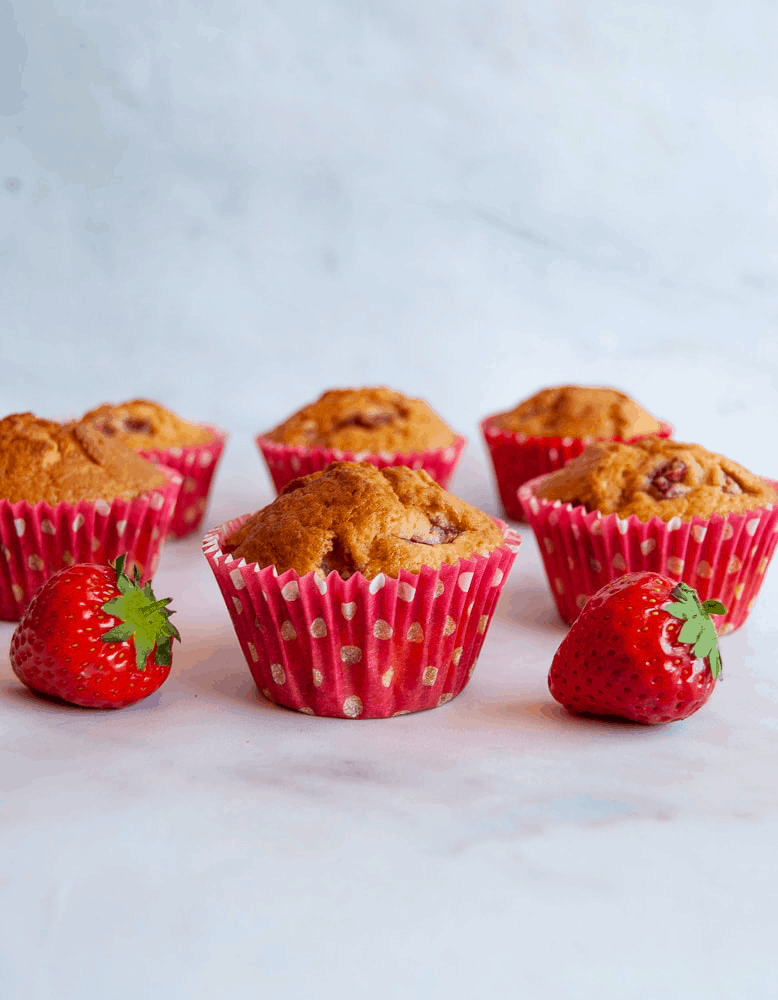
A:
92,636
643,648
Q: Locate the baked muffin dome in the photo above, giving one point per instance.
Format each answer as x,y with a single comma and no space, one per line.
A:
353,517
656,477
368,420
43,460
578,412
144,425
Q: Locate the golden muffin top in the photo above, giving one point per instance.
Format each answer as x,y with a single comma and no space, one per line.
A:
578,411
367,420
43,460
142,424
656,477
353,517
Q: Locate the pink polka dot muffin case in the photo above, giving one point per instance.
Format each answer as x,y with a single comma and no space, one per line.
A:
37,539
723,557
516,458
361,648
196,464
286,462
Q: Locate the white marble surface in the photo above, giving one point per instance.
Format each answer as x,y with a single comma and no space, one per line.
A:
230,207
206,843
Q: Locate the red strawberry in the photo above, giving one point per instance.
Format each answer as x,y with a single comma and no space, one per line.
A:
643,648
91,636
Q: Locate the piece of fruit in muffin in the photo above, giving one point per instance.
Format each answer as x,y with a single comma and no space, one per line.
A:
355,518
656,477
368,420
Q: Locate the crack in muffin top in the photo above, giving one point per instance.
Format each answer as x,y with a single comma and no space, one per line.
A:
656,477
578,411
355,518
365,420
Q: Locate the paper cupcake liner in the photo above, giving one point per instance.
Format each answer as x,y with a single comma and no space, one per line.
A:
724,556
357,648
36,540
517,458
196,464
286,462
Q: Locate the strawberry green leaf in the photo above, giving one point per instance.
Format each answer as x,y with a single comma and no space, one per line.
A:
698,630
122,581
715,664
705,645
143,648
143,619
164,655
119,632
691,631
677,611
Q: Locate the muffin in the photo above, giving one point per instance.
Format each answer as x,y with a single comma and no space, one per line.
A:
376,425
658,505
362,592
71,495
548,429
193,450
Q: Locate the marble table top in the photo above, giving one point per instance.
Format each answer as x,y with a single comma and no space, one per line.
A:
208,843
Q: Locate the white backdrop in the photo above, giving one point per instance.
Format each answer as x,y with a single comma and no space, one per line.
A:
232,206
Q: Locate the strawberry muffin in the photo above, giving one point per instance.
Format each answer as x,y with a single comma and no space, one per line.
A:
362,592
193,450
71,495
376,425
657,505
548,429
